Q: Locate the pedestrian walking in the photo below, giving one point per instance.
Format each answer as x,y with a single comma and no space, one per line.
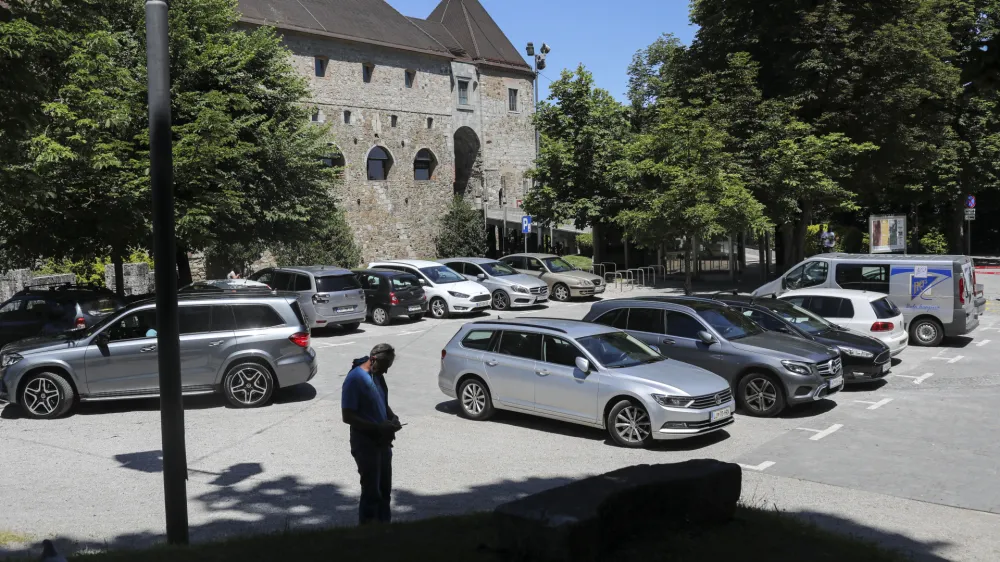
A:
234,274
365,407
827,238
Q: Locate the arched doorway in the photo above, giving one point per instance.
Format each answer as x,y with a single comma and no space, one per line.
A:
468,161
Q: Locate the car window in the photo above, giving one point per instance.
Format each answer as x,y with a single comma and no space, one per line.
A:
373,282
884,308
798,301
846,308
534,265
457,267
99,306
335,283
497,269
526,345
9,310
441,275
222,318
255,316
766,321
517,262
265,276
682,325
137,325
478,339
808,274
560,352
616,350
864,277
617,318
194,319
302,283
827,307
794,314
404,282
646,320
281,281
558,265
728,323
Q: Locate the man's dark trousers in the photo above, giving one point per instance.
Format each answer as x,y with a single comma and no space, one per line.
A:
374,461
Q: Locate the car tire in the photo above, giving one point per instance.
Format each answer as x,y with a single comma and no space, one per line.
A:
474,399
438,308
760,395
248,385
629,425
351,326
416,317
380,316
501,300
561,293
46,396
926,332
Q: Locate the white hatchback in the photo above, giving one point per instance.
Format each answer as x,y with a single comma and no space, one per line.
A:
869,313
447,291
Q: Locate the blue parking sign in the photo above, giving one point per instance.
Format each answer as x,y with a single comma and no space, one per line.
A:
526,224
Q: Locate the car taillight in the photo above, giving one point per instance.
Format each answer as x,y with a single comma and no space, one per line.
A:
883,326
81,323
961,289
300,339
443,354
423,297
393,299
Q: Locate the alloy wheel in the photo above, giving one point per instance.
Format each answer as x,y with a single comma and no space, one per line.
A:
41,397
380,316
561,293
761,394
500,300
473,399
249,385
438,308
632,424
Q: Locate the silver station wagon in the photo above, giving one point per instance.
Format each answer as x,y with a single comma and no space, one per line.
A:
244,346
581,373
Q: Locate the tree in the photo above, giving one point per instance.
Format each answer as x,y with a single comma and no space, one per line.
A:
462,233
333,245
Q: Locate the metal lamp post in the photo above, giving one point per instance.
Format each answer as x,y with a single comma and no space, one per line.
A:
539,61
168,335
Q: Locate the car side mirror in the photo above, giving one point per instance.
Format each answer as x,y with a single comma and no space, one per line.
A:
422,281
583,364
481,277
706,338
103,339
784,283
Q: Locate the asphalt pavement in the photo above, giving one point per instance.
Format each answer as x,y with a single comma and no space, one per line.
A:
910,462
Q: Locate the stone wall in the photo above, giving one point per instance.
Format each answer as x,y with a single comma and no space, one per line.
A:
509,136
16,280
137,276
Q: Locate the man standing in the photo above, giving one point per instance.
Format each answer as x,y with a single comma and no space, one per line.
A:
365,407
829,239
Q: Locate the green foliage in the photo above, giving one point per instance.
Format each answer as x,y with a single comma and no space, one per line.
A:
579,262
333,245
586,244
93,270
461,231
934,242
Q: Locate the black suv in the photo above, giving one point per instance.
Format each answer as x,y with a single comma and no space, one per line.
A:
54,309
391,294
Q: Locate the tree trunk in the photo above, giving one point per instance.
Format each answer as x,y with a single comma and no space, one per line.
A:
688,266
801,230
597,236
742,242
183,269
732,260
119,264
956,230
786,233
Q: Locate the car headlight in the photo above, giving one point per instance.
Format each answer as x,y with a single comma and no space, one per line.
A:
10,359
520,289
586,283
798,367
673,401
458,295
855,352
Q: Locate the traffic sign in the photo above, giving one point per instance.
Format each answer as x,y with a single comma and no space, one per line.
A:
970,202
526,224
970,214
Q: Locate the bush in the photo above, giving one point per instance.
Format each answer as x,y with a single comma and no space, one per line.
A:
934,242
334,246
90,271
586,244
462,231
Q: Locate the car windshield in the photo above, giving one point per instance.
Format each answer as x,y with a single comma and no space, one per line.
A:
618,350
441,275
558,265
730,324
802,318
497,269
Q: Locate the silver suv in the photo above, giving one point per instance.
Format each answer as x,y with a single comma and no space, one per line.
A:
328,295
509,289
581,373
767,370
244,346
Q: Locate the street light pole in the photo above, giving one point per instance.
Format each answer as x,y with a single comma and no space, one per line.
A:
168,334
539,64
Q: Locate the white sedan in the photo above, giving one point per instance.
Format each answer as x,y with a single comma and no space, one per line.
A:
869,313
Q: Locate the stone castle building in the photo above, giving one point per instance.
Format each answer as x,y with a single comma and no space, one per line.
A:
420,109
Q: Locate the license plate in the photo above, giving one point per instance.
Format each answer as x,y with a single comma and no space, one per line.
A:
415,308
836,382
345,309
885,368
722,414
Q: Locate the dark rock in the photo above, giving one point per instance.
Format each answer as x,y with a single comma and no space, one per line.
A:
581,521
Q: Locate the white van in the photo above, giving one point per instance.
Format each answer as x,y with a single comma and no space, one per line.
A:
937,294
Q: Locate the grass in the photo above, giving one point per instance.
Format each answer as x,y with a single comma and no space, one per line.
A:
754,536
8,538
582,262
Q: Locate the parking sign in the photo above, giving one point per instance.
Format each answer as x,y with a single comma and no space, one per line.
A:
970,202
526,224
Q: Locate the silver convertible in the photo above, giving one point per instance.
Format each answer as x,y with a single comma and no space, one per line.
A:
582,373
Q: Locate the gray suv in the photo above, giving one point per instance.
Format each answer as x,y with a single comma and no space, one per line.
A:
328,295
508,288
581,373
244,346
767,370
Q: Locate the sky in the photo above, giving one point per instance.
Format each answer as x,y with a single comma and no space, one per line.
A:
601,34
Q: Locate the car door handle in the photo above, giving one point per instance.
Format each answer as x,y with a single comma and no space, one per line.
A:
492,363
148,348
542,373
669,341
216,343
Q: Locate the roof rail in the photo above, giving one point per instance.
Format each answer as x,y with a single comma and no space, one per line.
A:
525,324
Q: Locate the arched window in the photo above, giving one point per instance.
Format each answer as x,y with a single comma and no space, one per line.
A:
335,160
423,165
379,163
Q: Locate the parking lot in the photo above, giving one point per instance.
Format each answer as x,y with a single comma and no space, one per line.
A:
911,461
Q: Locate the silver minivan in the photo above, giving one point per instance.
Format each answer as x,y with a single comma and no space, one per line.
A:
937,294
328,295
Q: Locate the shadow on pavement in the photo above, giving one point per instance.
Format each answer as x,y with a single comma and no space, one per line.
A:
956,342
865,386
809,410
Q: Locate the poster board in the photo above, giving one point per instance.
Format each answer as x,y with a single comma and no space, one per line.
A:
887,234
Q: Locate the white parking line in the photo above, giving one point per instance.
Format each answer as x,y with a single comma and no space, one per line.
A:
324,344
411,332
875,405
982,343
760,467
917,380
821,433
954,359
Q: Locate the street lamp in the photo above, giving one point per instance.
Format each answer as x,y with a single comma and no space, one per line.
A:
539,60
